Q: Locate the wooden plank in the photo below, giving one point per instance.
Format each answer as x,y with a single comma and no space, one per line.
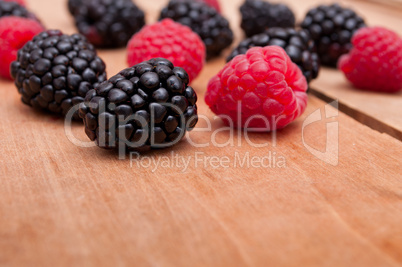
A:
65,205
377,110
62,205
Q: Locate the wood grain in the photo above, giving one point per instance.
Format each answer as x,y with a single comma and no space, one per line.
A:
379,111
63,205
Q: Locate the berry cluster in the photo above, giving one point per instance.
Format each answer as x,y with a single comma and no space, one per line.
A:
212,3
332,27
262,89
165,39
257,16
149,105
13,8
212,27
20,2
107,23
297,44
15,32
54,71
17,26
375,62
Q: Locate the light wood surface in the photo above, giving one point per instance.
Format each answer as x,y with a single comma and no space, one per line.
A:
379,111
63,205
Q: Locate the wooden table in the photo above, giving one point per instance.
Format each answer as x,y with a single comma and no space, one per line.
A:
63,205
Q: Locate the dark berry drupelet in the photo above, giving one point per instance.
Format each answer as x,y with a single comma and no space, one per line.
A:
73,5
332,27
257,16
15,9
297,44
107,23
204,20
54,71
149,105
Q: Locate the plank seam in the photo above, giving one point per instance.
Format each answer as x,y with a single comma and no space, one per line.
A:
361,117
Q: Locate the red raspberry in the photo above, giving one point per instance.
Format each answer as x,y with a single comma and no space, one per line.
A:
21,2
262,89
14,33
170,40
375,62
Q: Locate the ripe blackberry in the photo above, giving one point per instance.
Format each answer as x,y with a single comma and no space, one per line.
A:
73,5
146,106
212,3
107,23
332,27
55,71
297,44
257,16
213,29
15,9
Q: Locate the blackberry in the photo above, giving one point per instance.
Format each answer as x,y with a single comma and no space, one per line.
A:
55,71
297,44
204,20
146,106
107,23
73,5
15,9
257,16
332,27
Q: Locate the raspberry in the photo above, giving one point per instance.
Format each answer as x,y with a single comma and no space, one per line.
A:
146,106
262,89
15,32
170,40
375,62
297,44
